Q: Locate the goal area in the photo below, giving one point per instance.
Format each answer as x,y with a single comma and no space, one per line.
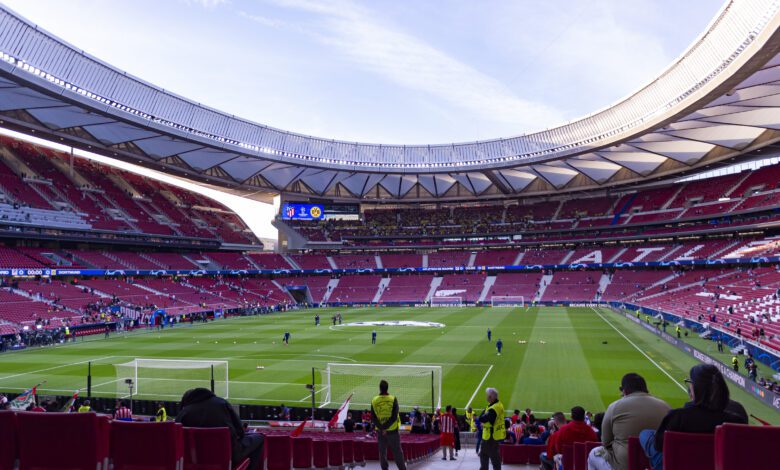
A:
507,301
413,385
170,378
446,301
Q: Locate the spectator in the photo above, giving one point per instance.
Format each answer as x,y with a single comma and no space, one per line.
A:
557,421
349,425
447,425
708,408
200,408
533,437
528,417
122,412
575,431
635,411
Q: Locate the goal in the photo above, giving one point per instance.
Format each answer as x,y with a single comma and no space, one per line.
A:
170,378
507,301
446,301
413,385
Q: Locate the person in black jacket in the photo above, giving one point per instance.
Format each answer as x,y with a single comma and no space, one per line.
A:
709,407
200,408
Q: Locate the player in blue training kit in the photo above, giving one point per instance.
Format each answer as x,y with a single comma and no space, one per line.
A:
499,345
373,337
286,337
490,334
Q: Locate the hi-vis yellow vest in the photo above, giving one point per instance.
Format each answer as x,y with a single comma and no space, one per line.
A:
84,409
497,430
383,408
470,420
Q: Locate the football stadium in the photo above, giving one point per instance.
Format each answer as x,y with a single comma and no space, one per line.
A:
186,288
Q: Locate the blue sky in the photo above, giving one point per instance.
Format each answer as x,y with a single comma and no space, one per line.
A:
422,71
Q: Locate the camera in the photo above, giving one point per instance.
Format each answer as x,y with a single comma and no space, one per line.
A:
129,381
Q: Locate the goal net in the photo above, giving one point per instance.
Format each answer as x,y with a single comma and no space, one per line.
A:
413,385
446,301
170,378
507,301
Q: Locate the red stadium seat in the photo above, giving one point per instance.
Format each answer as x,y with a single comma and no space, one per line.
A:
637,460
71,441
581,452
740,446
348,449
8,448
568,457
279,452
301,452
320,453
533,453
514,454
208,449
335,453
358,446
683,451
146,446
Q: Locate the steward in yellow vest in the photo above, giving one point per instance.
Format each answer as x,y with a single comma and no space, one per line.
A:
85,408
493,431
162,415
387,421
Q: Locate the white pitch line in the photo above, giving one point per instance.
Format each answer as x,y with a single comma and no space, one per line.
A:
640,351
54,367
478,387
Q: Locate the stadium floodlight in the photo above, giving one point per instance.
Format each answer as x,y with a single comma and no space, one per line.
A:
507,301
170,378
413,385
446,301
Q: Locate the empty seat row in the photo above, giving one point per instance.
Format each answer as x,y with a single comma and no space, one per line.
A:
89,441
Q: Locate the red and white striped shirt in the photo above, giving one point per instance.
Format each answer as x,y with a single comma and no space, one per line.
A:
123,413
448,423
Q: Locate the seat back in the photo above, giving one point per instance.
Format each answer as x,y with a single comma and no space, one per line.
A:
320,453
8,448
534,451
207,449
637,460
71,440
581,452
687,450
568,457
513,454
302,452
279,452
740,446
146,446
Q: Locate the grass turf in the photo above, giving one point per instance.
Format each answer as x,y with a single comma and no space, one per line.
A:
571,356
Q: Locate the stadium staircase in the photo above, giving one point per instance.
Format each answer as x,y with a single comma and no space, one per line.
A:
435,283
518,259
378,261
472,257
382,286
330,289
604,282
291,262
332,262
543,285
487,287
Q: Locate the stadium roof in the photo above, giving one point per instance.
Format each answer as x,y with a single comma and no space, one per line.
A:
717,101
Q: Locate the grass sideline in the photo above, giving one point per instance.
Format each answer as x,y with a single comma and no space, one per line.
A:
571,356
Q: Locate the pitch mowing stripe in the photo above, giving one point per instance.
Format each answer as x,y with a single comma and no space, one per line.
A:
640,351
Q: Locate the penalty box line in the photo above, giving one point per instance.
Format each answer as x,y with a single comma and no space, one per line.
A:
473,395
640,351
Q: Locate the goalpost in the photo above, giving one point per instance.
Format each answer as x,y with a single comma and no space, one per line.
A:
170,378
446,301
507,301
413,385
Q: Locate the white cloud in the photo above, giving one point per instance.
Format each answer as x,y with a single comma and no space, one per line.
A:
208,4
399,57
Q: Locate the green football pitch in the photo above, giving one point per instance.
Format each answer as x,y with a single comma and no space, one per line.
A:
553,357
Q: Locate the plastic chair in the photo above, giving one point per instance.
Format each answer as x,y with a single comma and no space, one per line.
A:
279,452
9,452
147,446
687,450
581,452
301,452
739,446
320,453
533,453
71,441
209,449
637,460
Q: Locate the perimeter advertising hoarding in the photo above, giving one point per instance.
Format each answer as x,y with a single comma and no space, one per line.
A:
296,211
